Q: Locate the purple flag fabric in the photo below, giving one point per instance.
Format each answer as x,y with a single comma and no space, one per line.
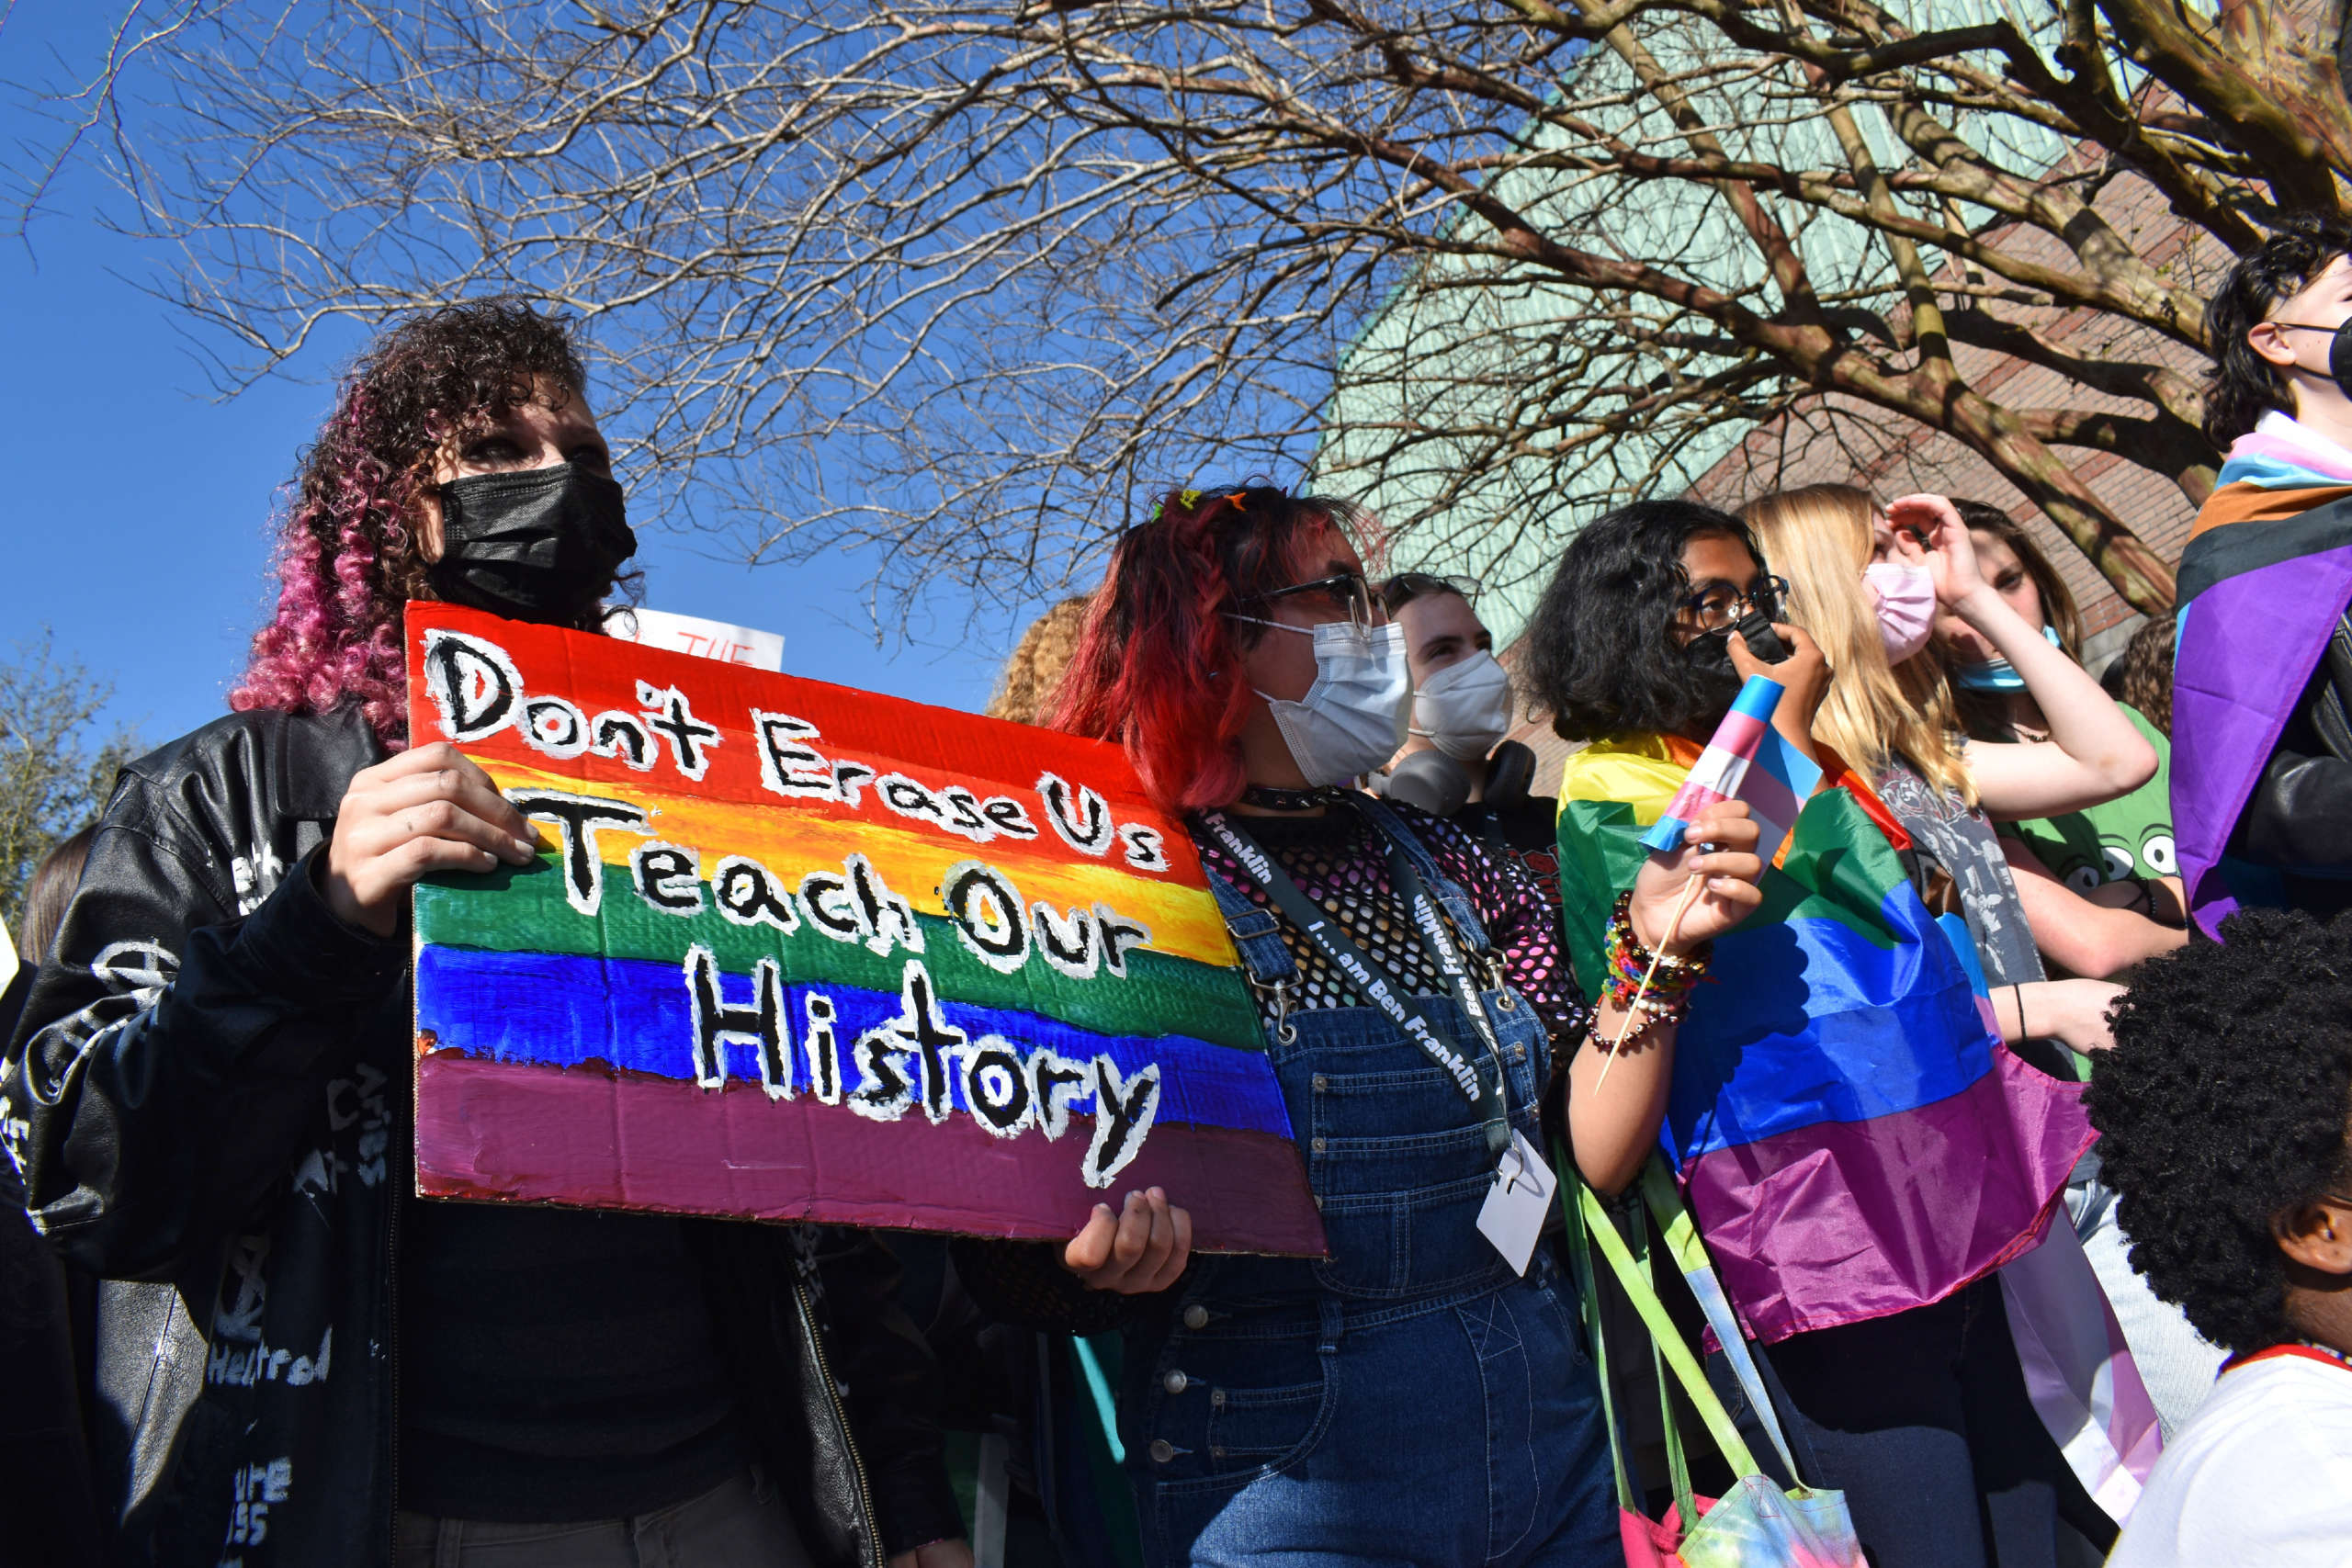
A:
2262,584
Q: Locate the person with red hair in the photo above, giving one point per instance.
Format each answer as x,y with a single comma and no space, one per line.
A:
1419,1394
300,1362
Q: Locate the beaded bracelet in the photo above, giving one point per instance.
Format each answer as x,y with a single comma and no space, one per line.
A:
1668,998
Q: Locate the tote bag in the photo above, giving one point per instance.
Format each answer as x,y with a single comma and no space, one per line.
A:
1755,1525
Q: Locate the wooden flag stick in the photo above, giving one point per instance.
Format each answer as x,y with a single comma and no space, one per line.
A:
1633,1009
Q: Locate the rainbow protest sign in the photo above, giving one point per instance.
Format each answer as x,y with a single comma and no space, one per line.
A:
803,953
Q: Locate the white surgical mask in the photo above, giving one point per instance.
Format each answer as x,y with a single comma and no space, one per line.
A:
1352,719
1906,606
1465,708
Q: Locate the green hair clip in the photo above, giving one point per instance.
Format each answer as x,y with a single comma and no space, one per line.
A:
1187,499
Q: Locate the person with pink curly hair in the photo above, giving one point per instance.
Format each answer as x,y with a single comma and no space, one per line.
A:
478,389
299,1362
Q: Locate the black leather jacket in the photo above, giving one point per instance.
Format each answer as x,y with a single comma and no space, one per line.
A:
2298,821
209,1108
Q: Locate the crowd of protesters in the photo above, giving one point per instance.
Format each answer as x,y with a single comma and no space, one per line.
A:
234,1334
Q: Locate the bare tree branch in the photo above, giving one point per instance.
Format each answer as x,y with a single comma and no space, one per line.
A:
960,282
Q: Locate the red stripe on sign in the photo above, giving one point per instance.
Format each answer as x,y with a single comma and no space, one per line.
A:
593,1139
599,675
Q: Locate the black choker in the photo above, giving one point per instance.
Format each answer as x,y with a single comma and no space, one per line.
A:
1267,797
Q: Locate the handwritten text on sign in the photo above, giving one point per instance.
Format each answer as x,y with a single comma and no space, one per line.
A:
863,907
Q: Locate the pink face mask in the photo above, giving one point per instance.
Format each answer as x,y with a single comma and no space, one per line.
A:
1906,606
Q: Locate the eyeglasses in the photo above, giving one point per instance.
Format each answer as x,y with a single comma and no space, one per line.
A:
1347,592
1720,607
1408,586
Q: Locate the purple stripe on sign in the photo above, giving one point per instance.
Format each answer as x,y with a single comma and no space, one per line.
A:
593,1139
2247,646
1844,1221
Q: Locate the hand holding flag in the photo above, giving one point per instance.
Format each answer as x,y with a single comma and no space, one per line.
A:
1746,760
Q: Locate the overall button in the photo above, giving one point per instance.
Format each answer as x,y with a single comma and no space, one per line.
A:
1518,1053
1175,1383
1321,1083
1162,1450
1196,1316
1318,1145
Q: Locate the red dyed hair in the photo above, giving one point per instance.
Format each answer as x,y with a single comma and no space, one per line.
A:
347,557
1159,667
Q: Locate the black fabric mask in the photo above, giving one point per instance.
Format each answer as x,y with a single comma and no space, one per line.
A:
542,544
1718,683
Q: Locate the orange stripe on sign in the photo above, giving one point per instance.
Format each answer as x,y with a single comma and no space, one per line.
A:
1183,921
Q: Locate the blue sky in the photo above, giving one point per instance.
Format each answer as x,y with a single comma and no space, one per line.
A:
138,505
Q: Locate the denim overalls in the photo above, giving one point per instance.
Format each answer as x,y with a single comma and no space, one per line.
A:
1407,1400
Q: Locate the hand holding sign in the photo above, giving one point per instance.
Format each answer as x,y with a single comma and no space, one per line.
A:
800,952
426,810
1141,1249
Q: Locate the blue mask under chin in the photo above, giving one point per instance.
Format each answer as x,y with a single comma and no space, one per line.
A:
1997,674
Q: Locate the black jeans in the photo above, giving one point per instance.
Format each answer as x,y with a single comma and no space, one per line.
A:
1922,1420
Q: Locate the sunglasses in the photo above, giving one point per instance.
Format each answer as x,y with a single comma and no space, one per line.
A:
1408,586
1349,591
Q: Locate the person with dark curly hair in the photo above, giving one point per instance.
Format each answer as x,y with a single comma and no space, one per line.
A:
299,1362
1891,1361
2225,1115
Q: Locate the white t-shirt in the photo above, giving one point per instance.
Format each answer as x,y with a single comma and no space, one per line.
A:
2261,1475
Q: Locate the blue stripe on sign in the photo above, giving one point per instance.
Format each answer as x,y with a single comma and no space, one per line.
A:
563,1011
1805,1021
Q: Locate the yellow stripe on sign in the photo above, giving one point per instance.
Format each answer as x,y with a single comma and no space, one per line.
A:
1183,921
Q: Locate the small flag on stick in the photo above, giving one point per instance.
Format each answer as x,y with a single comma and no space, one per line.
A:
1746,760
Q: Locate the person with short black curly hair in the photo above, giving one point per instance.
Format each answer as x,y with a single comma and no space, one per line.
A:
2226,1114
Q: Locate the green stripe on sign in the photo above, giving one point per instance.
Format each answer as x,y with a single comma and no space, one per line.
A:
506,912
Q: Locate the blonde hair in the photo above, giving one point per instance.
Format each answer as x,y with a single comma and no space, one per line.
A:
1818,538
1024,691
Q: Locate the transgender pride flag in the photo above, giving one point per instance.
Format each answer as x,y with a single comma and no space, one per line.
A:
1746,761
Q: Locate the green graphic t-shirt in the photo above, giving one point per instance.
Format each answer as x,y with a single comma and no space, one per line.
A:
2127,837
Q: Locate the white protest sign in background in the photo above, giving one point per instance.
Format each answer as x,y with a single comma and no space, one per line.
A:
704,639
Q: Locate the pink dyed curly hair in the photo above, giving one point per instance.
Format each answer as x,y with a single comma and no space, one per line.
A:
347,557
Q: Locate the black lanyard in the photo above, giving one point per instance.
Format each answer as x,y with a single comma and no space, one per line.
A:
1378,986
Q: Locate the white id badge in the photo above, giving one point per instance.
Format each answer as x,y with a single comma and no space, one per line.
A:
1517,1204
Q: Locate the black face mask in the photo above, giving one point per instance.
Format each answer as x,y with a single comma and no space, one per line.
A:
538,545
2339,356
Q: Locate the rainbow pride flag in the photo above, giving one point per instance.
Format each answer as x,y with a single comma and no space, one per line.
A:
805,953
1851,1139
2264,579
1744,759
